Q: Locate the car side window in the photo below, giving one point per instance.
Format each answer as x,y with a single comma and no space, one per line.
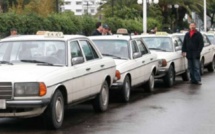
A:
142,48
89,51
206,40
134,47
75,49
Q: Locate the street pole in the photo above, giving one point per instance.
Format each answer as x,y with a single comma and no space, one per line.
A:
144,16
87,7
205,16
57,6
112,4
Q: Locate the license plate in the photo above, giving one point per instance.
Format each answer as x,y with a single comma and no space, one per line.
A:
2,104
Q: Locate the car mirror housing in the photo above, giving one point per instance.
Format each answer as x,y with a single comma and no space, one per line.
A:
77,60
137,55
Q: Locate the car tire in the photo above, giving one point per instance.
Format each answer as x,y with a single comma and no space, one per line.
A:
169,78
186,76
211,66
100,103
54,113
149,85
126,90
202,67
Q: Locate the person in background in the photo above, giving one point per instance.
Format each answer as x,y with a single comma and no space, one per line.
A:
105,29
109,31
99,29
192,47
13,31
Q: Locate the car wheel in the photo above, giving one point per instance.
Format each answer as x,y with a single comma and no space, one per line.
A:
186,76
202,67
211,67
100,103
54,113
126,90
149,85
169,78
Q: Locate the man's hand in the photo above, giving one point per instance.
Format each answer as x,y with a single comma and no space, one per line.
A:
184,54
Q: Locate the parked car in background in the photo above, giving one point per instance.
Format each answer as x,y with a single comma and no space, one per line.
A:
168,48
135,64
43,74
207,59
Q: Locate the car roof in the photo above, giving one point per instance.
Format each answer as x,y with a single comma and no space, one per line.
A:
152,35
111,37
40,37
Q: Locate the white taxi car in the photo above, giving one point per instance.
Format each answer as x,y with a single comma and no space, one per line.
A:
135,64
37,82
168,48
207,59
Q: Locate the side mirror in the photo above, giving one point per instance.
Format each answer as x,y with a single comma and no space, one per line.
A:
137,55
77,60
178,48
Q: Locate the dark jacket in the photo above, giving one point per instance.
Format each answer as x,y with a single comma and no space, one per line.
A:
193,45
96,32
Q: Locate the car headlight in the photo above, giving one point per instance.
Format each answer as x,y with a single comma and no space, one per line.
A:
162,63
29,89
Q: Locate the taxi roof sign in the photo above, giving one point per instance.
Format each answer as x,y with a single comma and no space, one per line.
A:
54,34
41,32
161,33
51,34
122,31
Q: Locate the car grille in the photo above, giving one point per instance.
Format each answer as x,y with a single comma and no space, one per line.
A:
5,90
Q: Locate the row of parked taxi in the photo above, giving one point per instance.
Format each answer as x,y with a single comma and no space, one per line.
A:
43,74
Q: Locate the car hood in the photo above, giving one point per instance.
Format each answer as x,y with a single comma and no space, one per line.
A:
25,73
163,55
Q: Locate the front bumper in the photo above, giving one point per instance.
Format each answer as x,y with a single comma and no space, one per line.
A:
24,108
117,85
161,73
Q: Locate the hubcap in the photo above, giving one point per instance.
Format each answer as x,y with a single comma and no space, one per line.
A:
104,96
152,81
59,109
127,89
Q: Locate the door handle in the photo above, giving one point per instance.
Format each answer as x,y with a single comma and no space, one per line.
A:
143,61
88,69
102,65
151,59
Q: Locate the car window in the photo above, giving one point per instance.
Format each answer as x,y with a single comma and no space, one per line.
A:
134,47
159,43
114,47
75,49
89,51
53,52
141,46
206,40
211,38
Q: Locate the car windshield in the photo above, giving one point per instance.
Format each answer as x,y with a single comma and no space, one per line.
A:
211,38
52,52
159,43
113,48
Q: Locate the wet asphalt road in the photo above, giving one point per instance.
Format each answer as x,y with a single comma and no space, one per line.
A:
183,109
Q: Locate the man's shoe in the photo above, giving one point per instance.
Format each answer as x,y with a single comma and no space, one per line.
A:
198,83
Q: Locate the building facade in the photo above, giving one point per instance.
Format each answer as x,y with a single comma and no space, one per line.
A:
80,7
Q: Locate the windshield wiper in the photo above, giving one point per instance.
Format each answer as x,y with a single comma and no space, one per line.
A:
158,49
6,62
115,57
41,62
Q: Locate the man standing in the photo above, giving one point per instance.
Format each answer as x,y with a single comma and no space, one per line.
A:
99,29
13,32
192,46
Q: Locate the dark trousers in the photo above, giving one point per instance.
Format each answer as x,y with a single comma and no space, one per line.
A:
194,69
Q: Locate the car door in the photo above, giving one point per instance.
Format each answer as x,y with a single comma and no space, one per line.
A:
136,64
78,84
94,66
207,50
148,59
180,61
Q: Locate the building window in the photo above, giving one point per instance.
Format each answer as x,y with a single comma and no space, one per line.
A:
67,3
92,10
78,10
78,3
